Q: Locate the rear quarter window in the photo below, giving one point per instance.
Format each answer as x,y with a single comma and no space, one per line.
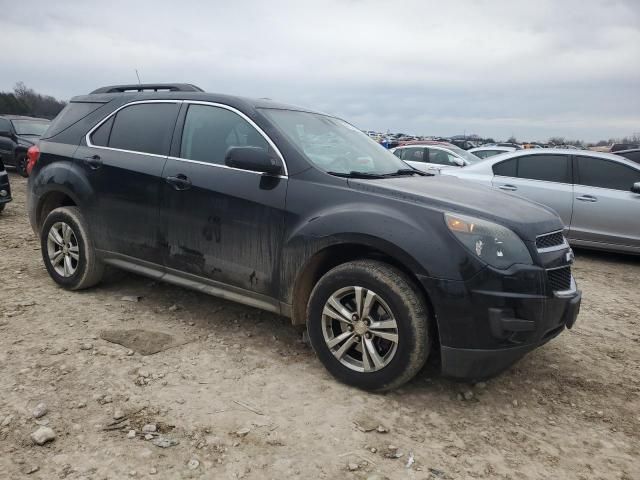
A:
508,168
70,115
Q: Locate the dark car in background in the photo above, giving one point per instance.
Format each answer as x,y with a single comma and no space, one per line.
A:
5,187
301,214
632,154
17,134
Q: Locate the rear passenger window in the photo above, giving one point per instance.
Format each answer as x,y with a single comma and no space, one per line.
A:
210,131
508,168
100,137
596,172
414,154
549,168
145,128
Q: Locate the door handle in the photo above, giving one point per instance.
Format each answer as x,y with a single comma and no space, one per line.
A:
508,188
179,182
587,198
94,161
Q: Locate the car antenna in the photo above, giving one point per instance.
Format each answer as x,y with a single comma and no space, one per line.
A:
137,75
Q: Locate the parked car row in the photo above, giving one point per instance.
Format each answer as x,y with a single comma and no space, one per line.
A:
302,214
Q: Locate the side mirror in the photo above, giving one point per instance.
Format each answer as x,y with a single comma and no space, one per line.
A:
635,188
458,161
255,159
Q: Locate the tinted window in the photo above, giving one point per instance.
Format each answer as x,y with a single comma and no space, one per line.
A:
413,154
100,137
440,157
210,131
634,156
144,128
487,153
596,172
508,168
550,168
398,153
72,113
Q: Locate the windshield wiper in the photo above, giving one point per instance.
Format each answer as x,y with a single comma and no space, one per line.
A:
356,174
406,171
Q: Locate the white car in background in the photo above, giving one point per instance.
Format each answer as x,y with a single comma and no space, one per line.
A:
597,195
490,150
433,157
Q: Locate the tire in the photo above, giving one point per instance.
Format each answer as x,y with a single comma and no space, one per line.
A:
396,299
21,164
84,269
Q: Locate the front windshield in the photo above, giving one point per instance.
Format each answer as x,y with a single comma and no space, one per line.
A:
333,145
469,157
30,127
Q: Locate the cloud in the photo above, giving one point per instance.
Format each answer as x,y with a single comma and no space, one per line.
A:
497,68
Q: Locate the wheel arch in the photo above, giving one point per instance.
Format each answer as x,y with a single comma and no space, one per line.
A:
331,256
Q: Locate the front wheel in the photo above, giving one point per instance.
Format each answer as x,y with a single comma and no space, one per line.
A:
68,251
368,324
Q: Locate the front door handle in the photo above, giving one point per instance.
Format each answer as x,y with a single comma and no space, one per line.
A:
508,188
587,198
179,182
94,162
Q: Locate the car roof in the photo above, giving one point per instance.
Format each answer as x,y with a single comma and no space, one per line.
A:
492,147
630,150
487,163
417,143
23,117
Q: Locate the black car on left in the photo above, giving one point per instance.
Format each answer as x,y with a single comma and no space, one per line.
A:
17,134
5,188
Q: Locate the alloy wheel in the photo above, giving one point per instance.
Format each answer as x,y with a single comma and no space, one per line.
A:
63,249
360,329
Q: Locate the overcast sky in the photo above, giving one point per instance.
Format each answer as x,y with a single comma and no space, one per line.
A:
529,68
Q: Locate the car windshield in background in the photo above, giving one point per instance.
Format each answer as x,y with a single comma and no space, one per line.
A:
30,127
469,157
335,146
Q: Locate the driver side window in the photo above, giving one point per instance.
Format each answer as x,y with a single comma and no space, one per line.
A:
210,131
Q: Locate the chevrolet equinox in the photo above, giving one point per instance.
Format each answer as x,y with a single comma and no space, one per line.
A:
301,214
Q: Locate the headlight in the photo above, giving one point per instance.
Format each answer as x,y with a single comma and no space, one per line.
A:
490,242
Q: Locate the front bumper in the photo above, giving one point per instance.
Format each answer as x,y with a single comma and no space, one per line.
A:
5,188
489,322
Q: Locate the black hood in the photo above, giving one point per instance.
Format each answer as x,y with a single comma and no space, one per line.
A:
450,194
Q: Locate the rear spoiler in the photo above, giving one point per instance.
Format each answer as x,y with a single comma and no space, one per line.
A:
148,87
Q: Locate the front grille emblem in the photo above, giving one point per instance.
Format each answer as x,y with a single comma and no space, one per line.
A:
569,256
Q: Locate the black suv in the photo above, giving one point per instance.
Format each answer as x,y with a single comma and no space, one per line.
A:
17,134
300,213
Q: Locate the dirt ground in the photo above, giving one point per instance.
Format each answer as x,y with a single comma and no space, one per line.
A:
244,397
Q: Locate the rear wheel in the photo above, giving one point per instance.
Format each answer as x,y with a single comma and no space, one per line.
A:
368,324
67,250
21,164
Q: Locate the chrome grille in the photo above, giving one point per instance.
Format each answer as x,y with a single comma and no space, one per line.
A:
550,240
559,279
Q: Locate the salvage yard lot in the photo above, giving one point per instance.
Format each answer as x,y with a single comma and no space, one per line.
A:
244,397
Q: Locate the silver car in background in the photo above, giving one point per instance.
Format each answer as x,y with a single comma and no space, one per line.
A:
597,195
433,157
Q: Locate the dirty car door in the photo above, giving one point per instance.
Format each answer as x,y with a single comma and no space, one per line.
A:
220,223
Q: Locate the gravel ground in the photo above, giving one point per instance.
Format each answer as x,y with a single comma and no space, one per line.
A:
244,397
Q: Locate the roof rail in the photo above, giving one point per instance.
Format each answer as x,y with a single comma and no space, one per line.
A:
144,87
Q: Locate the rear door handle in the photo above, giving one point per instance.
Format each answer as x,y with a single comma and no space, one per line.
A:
179,182
587,198
94,162
508,188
